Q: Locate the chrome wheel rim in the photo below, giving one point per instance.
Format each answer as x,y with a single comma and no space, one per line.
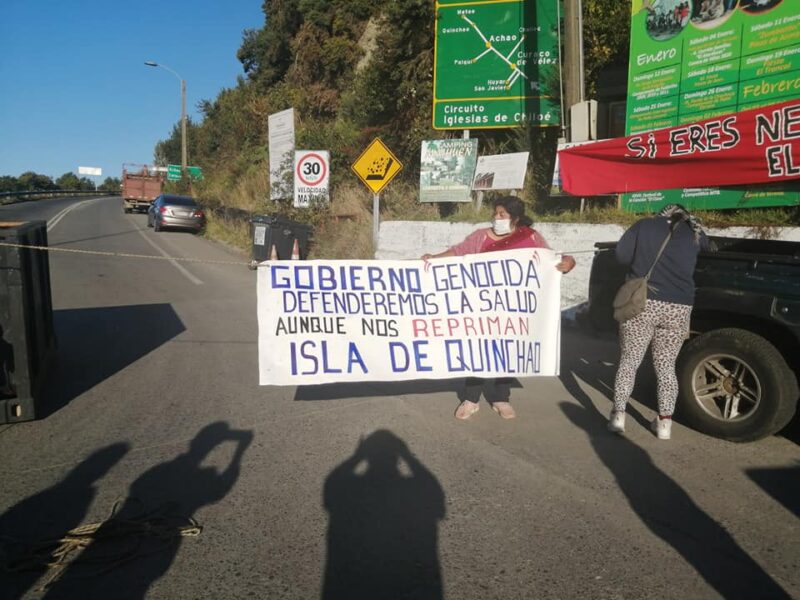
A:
726,388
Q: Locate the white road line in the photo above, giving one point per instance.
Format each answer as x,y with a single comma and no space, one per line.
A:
55,220
176,264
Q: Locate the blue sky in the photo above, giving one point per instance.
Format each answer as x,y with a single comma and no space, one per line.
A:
75,90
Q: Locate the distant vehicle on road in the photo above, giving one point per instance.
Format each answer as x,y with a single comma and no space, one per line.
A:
180,212
141,185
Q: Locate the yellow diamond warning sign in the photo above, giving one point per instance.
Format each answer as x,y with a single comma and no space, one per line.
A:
377,166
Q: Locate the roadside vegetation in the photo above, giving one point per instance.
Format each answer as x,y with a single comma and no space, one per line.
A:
354,70
36,182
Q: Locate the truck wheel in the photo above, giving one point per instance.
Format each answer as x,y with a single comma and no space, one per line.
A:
127,210
735,385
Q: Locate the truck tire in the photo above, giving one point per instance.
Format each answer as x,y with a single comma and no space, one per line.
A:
735,385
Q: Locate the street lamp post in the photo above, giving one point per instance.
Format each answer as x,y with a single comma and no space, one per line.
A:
184,163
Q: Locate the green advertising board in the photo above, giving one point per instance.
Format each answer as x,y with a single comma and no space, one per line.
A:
696,59
446,170
496,64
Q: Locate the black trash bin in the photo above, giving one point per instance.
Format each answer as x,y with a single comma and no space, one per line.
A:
27,340
268,231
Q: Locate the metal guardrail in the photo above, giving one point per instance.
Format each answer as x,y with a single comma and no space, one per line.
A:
11,197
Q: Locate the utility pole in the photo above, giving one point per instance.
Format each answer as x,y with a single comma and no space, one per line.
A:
573,57
184,162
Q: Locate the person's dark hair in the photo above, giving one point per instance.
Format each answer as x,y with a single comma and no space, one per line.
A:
676,214
515,208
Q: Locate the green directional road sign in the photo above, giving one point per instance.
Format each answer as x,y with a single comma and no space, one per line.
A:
496,64
195,173
173,172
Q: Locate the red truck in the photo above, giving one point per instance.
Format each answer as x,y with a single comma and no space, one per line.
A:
141,184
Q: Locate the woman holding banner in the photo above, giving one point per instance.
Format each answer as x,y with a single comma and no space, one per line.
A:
510,230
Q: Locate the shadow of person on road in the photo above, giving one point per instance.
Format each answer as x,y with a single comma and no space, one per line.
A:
47,515
384,510
667,510
124,567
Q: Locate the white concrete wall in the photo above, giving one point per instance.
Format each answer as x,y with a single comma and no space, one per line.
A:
400,240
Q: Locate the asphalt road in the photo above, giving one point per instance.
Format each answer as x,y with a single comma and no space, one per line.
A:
353,491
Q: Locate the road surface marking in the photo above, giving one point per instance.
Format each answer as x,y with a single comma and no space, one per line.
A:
55,220
177,265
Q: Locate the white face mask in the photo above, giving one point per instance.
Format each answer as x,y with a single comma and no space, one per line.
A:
501,226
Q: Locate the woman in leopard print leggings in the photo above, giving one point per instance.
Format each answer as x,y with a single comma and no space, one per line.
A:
665,321
665,324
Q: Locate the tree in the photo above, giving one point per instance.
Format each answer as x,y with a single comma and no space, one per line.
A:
110,184
266,54
606,37
168,152
9,184
68,181
30,181
84,183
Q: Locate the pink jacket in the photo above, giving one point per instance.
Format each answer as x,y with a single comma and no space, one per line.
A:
475,241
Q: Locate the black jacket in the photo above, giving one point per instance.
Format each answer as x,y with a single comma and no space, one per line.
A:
672,279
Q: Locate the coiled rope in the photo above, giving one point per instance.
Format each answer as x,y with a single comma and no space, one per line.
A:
159,529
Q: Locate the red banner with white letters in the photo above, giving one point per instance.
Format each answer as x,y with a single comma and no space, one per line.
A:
761,145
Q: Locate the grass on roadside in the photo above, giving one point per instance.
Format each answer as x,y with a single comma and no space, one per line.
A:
230,233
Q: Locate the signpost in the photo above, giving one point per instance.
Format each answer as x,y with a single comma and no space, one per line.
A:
281,146
376,167
494,62
707,64
311,177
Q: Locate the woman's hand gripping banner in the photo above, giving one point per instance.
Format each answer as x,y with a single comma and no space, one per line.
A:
482,315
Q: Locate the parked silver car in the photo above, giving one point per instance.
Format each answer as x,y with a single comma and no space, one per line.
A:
175,211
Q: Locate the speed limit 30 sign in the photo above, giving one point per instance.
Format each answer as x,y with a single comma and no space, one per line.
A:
311,177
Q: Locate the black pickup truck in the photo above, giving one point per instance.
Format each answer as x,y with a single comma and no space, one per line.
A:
739,371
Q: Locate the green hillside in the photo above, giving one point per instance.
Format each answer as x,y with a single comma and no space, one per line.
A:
354,70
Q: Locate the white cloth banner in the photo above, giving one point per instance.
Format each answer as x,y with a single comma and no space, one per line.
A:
484,315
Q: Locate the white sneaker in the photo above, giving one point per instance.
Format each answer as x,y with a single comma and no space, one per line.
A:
616,422
662,428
